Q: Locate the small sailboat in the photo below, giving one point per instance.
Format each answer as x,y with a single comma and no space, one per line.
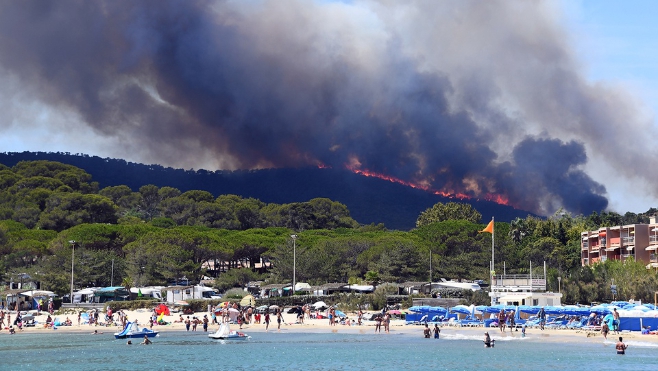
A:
224,333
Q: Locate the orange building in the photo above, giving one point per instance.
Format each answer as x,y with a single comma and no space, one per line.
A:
636,241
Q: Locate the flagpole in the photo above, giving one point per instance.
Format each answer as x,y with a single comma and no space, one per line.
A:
493,262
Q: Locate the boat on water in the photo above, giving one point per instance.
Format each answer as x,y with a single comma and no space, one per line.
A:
132,330
225,333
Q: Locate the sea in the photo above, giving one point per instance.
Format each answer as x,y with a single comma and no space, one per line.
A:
177,350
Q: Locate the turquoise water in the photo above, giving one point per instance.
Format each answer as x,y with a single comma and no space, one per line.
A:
314,351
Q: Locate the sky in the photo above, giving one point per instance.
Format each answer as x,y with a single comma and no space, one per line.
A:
549,103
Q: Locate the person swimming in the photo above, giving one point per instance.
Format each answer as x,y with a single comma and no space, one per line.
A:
488,343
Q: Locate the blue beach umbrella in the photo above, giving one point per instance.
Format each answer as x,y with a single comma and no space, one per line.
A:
420,309
461,309
549,309
600,309
529,309
438,310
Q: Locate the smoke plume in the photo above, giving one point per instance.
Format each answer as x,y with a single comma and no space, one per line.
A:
471,97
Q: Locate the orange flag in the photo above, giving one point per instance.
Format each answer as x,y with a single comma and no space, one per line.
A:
489,228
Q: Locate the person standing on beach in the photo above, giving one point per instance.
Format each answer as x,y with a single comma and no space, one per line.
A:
378,323
512,321
542,318
621,347
501,320
387,322
187,323
437,331
604,330
267,320
279,318
426,331
205,323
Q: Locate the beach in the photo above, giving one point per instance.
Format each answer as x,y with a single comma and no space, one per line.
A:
289,325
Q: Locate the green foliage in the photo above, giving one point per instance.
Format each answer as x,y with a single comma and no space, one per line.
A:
450,211
236,278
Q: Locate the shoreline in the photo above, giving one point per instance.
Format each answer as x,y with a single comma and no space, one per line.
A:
397,327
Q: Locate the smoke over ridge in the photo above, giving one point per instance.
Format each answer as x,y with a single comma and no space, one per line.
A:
468,97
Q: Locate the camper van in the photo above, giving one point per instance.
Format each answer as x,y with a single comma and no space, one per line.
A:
146,292
175,293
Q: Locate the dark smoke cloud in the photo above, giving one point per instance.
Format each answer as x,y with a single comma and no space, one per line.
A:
473,97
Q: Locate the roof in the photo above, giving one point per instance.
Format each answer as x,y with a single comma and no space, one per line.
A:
412,284
330,286
275,286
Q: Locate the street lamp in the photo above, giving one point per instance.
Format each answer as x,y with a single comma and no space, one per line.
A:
72,242
559,285
294,261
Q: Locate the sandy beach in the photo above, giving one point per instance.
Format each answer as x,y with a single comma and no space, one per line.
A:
397,327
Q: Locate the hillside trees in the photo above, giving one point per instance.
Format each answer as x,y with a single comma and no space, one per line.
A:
450,211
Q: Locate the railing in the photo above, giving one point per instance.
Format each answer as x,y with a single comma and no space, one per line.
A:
653,258
585,246
604,258
628,240
519,281
585,261
653,238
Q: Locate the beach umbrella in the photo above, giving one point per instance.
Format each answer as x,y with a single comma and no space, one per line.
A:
440,310
574,310
549,309
461,309
274,307
394,311
422,308
340,314
600,309
181,302
529,309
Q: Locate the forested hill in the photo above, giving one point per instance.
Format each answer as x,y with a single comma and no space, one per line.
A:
370,200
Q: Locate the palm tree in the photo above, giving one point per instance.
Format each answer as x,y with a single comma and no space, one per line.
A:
518,229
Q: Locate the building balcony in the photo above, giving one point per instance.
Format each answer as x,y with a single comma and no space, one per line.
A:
653,258
628,240
585,261
653,238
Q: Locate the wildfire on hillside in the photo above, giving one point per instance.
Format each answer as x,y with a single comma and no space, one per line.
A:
499,199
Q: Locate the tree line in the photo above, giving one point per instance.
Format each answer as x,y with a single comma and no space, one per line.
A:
157,236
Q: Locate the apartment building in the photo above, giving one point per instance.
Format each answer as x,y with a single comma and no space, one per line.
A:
636,241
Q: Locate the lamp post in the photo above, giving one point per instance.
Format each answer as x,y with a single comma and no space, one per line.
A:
294,261
559,285
72,242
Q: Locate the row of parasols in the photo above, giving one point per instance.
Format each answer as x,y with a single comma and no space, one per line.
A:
625,309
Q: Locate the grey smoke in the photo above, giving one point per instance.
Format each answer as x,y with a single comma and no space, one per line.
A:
482,98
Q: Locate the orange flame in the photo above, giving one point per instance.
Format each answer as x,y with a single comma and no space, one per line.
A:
499,199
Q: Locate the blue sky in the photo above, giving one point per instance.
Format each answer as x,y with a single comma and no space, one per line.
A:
618,42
